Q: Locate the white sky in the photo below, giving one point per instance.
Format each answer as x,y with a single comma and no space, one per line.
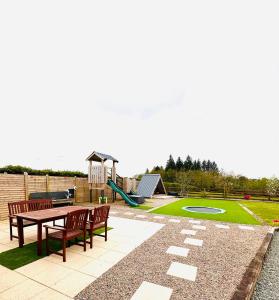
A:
140,80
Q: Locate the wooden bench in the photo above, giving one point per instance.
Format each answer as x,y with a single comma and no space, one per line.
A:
60,197
25,206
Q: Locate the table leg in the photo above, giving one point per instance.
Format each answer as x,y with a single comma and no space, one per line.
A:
39,239
20,232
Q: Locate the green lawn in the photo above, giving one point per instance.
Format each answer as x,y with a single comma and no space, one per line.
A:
234,213
18,257
143,207
265,210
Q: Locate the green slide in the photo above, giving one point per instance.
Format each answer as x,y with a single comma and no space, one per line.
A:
124,196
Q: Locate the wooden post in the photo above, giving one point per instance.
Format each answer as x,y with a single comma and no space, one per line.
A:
90,172
26,187
75,190
47,183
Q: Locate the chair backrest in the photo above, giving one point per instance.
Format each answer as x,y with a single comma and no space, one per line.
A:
77,219
100,214
17,207
39,204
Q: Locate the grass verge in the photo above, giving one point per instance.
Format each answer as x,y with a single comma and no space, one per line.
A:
19,257
143,207
265,210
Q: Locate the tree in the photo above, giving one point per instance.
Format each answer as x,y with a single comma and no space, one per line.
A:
214,167
147,171
170,164
188,163
157,168
204,165
198,165
179,164
185,181
272,187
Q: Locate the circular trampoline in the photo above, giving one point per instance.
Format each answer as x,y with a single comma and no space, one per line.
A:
204,209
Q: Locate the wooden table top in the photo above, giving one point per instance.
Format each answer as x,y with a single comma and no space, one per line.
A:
45,214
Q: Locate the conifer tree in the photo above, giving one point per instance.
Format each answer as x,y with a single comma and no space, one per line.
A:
188,164
179,164
204,165
170,164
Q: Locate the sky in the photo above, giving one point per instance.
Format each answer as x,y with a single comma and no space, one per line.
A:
140,80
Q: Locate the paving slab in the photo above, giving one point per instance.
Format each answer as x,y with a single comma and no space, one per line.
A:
188,231
151,291
194,242
181,251
184,271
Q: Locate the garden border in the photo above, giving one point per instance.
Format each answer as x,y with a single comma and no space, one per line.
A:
249,280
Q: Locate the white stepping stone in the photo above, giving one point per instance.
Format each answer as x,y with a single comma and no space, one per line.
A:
128,213
174,221
201,227
183,271
140,216
194,222
178,251
159,217
194,242
114,212
222,226
149,291
188,231
246,227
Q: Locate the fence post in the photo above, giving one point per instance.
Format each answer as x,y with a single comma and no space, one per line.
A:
75,190
47,183
26,187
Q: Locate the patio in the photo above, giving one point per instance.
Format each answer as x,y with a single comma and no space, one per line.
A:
145,255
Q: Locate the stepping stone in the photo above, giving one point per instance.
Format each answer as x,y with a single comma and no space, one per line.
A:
178,251
194,222
194,242
188,231
114,212
140,216
183,271
246,227
222,226
128,213
159,217
199,227
174,221
148,290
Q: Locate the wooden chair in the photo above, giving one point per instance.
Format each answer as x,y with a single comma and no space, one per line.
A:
25,206
98,219
39,204
17,208
74,228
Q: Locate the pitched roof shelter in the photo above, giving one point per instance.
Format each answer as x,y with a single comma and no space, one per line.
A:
151,184
97,156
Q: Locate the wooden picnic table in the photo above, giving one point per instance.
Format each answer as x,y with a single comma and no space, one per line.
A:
43,216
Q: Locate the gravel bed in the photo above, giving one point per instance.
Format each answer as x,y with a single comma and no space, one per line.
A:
268,284
221,262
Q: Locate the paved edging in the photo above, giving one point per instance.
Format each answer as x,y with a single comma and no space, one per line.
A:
247,285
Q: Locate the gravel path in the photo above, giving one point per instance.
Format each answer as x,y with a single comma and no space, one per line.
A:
268,284
221,261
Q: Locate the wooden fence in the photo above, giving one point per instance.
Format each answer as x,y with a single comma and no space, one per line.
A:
18,187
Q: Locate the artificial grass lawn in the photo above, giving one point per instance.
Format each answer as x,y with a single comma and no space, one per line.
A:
18,257
267,211
143,207
234,213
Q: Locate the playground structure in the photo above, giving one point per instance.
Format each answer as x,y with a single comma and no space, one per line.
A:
100,175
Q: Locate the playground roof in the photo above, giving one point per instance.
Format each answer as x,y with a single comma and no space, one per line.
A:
151,184
97,156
